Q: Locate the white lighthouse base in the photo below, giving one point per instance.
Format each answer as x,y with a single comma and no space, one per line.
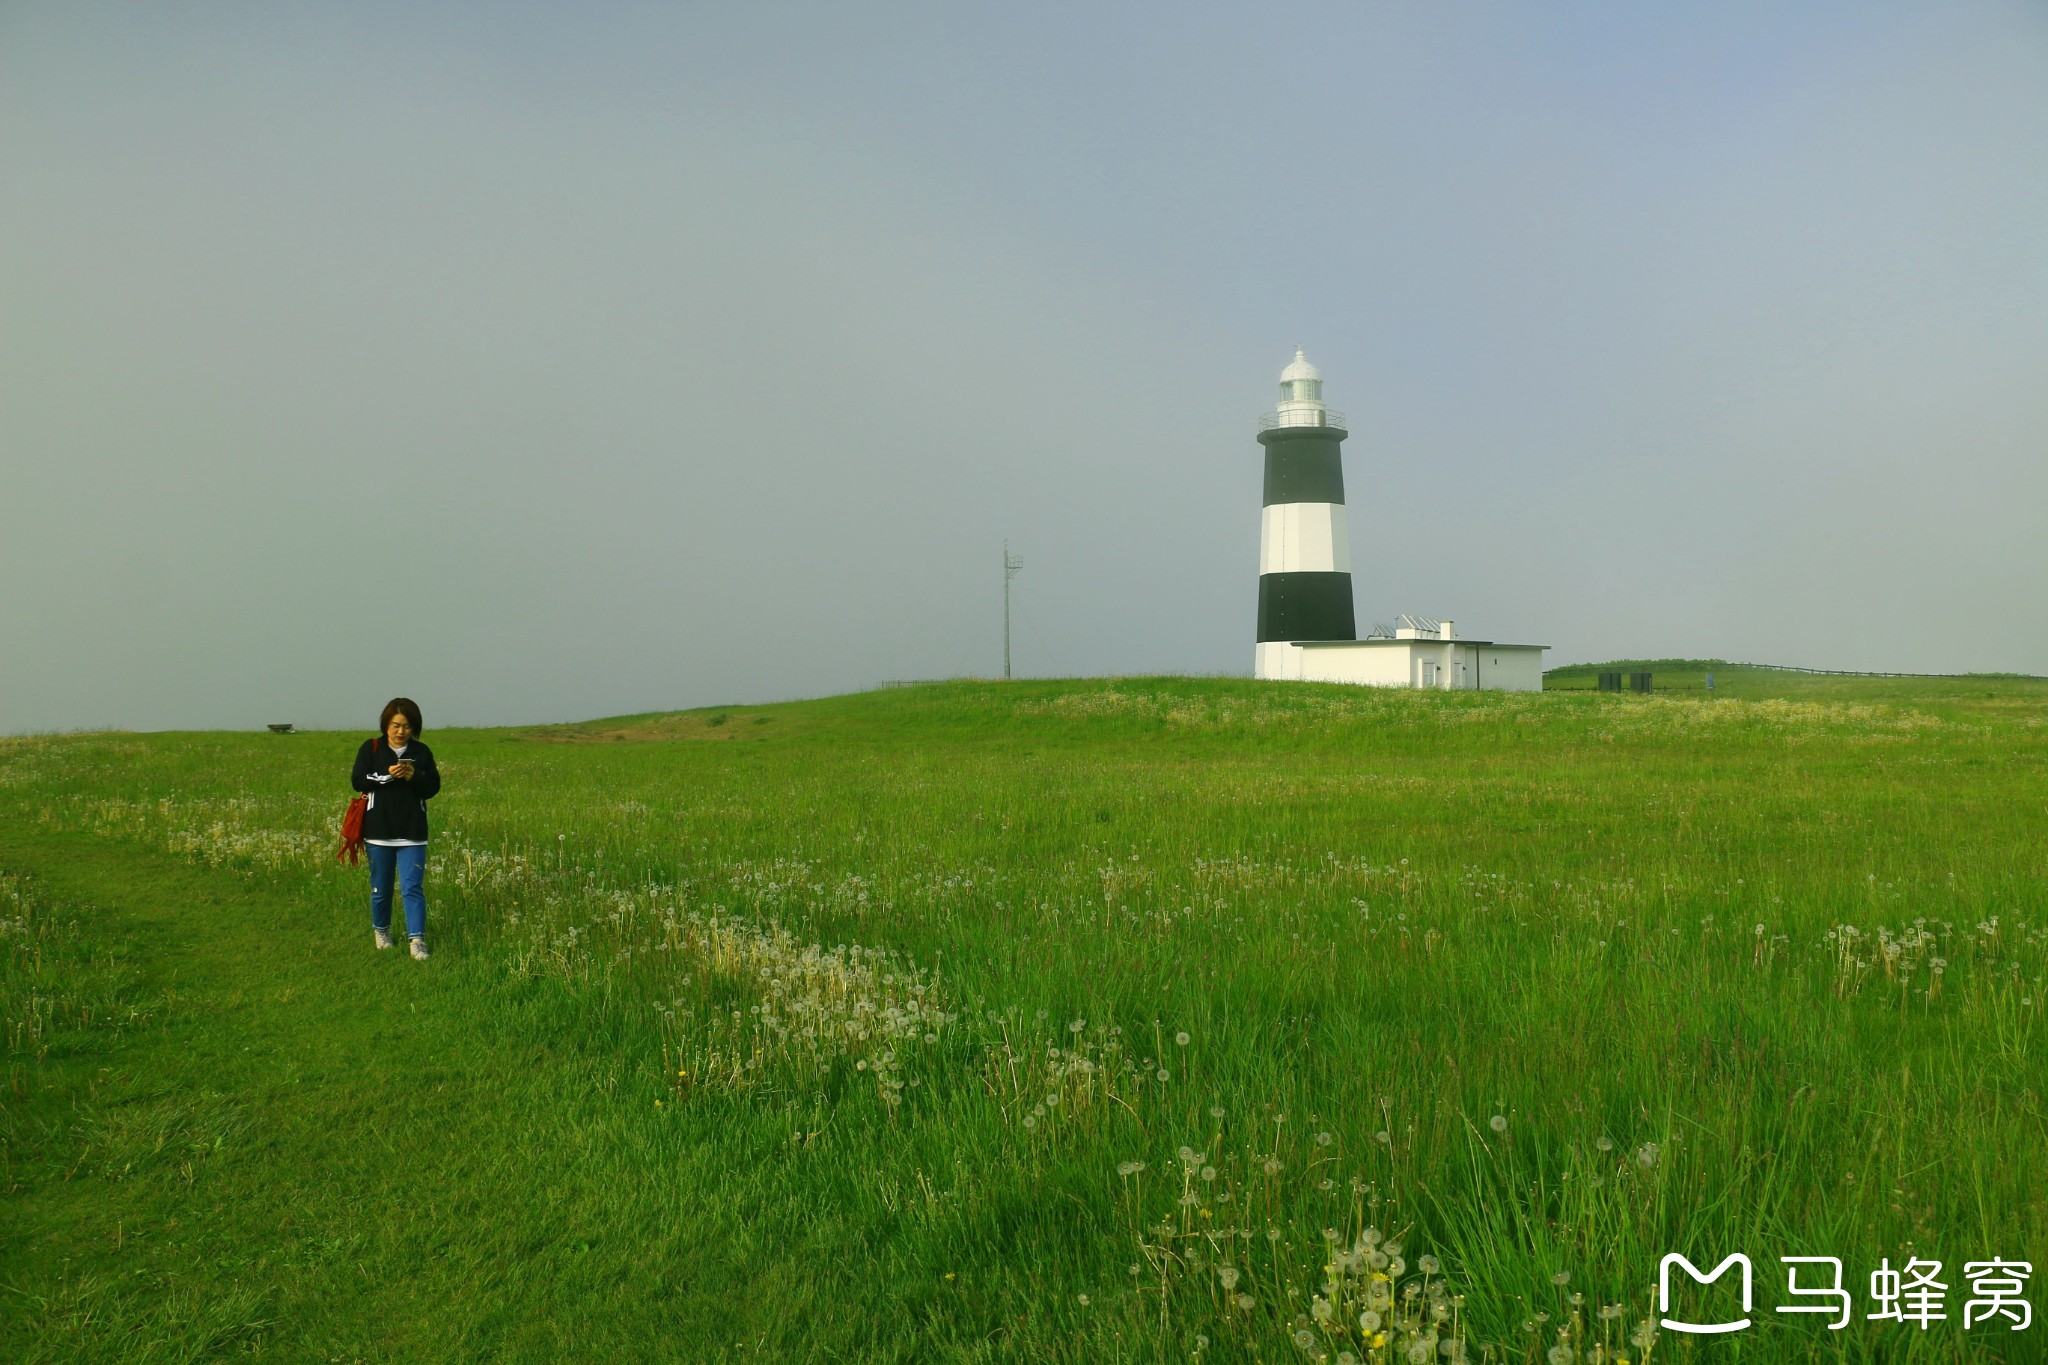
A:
1279,660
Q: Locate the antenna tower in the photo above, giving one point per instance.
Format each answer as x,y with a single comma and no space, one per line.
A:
1011,564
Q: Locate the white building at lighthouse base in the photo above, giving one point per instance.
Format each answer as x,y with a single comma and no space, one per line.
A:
1418,652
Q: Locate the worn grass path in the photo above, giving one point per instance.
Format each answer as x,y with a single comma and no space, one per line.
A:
312,1151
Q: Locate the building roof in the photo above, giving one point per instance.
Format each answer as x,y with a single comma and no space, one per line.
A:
1425,640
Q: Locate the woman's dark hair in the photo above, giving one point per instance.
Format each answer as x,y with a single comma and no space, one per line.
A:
405,706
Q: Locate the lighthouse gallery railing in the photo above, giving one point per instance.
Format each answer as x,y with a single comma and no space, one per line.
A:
1327,417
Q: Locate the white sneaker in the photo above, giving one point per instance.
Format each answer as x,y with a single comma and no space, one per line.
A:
419,950
383,937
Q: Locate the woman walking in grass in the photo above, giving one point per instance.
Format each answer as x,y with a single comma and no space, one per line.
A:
398,775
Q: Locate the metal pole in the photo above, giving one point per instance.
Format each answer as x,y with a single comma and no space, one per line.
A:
1010,566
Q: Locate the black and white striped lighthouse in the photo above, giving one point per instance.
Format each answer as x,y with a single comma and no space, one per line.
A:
1304,547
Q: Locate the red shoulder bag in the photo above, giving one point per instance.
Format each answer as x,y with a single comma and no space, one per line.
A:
351,850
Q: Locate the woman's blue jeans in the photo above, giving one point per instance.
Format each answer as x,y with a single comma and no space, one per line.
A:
407,865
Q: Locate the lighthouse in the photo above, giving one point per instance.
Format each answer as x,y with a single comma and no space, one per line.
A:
1307,629
1304,545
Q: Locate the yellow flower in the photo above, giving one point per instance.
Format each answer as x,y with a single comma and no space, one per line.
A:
657,1104
1380,1275
1379,1341
949,1274
1207,1214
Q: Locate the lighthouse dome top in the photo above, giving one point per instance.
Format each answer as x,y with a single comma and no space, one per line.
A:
1300,369
1301,398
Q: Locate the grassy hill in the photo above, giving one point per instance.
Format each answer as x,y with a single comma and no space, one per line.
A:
1082,1020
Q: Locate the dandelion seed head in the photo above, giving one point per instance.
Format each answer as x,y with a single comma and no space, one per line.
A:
1561,1277
1499,1123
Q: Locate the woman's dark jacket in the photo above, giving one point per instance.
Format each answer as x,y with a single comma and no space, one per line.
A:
398,805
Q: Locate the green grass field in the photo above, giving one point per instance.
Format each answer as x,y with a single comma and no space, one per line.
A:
1142,1019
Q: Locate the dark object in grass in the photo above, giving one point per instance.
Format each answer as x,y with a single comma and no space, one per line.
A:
285,729
716,720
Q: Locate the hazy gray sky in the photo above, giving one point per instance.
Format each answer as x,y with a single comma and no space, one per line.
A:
545,361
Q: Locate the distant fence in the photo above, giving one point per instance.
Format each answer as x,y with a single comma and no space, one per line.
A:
1607,680
1854,673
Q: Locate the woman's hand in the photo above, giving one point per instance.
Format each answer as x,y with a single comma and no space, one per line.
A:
402,768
